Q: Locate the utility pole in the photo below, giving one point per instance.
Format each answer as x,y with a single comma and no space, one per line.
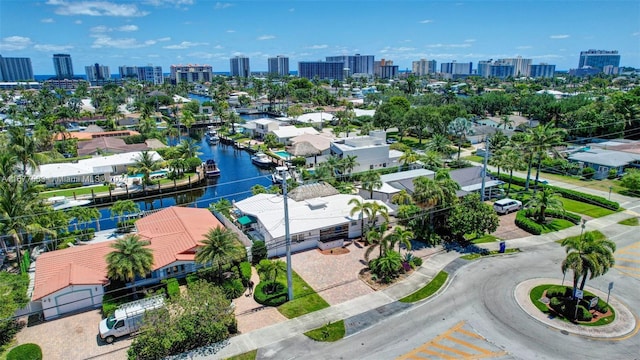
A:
287,236
484,167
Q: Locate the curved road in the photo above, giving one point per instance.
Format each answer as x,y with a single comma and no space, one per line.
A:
479,300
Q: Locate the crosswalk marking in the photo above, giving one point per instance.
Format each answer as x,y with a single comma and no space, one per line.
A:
454,344
628,260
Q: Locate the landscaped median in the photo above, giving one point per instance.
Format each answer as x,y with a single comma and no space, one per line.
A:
431,288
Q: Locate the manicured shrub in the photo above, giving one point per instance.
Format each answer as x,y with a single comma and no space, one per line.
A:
613,173
277,297
25,352
245,272
173,288
525,223
556,291
588,172
557,304
258,252
233,288
584,314
192,278
416,261
574,218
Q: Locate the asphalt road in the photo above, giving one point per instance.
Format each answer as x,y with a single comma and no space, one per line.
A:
477,316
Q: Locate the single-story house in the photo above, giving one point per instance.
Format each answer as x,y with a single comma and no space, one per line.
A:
87,135
315,119
285,133
95,170
309,145
603,161
470,180
318,215
74,279
108,145
394,183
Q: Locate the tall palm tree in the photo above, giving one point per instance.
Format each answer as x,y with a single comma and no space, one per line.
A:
401,198
588,256
362,207
370,180
223,206
131,257
539,141
219,247
545,199
511,159
401,236
460,127
146,164
431,160
349,163
123,207
377,238
269,269
23,147
378,209
408,157
188,148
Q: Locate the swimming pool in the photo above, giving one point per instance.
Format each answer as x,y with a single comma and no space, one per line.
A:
283,154
151,174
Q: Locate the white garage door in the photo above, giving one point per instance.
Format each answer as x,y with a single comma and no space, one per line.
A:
74,301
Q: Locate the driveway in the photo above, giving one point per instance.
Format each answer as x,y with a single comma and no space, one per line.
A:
507,229
73,337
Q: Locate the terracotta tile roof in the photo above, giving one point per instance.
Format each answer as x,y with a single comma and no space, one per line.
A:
174,234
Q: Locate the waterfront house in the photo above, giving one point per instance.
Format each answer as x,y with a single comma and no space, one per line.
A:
319,217
372,151
74,279
285,133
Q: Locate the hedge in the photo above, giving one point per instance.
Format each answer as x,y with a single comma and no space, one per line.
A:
525,223
276,298
25,352
245,272
173,288
566,193
574,218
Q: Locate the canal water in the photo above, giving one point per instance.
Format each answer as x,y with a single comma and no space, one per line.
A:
237,177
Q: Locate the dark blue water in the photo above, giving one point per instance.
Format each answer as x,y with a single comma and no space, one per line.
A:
237,177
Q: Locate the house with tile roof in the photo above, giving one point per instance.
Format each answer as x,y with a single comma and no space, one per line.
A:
74,279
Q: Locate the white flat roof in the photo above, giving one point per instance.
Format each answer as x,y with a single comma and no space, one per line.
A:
88,166
305,215
410,174
292,131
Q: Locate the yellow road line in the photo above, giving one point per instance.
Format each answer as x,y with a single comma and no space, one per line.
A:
450,349
626,267
629,260
469,345
470,333
435,353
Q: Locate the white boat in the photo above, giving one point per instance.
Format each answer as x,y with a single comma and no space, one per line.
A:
61,202
277,175
211,169
213,139
261,160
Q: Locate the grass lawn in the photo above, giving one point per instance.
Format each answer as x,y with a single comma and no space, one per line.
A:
555,225
536,294
591,210
629,222
85,190
305,299
596,234
492,252
434,285
250,355
330,332
481,240
474,158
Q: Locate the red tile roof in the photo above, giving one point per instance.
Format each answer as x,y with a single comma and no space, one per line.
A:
174,234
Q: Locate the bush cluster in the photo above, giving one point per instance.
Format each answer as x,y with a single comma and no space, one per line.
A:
25,352
110,304
276,297
173,288
555,291
527,224
233,288
258,252
245,272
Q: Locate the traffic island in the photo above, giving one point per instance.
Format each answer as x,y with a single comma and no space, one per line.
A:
551,303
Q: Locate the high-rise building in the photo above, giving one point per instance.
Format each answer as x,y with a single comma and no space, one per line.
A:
357,64
63,66
191,73
15,69
323,70
97,72
456,68
239,66
149,73
599,59
384,69
520,65
278,65
542,71
498,69
424,67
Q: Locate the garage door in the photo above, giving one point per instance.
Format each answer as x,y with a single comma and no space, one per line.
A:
74,301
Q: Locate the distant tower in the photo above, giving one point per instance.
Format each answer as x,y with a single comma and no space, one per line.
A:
239,66
599,59
63,66
15,69
278,65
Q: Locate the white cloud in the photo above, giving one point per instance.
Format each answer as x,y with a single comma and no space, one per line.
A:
169,2
47,20
99,29
524,47
465,45
164,39
104,41
230,31
266,37
127,28
470,40
323,46
52,48
12,43
562,36
426,21
637,33
218,47
220,5
78,22
96,8
184,45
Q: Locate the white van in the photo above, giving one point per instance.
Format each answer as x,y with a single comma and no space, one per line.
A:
505,206
127,318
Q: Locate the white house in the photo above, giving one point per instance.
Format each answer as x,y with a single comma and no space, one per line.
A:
265,126
95,170
318,215
315,119
372,151
394,183
285,133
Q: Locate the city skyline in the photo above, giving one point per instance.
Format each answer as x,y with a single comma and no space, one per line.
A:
174,32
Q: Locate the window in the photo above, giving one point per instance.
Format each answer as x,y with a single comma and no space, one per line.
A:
119,324
297,238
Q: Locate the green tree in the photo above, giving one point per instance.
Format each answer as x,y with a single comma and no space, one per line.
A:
587,255
460,128
123,207
631,180
223,206
370,180
408,157
363,208
472,216
269,271
506,121
400,236
146,164
13,296
401,198
541,140
258,189
131,257
349,163
440,144
545,199
85,215
387,267
220,247
188,148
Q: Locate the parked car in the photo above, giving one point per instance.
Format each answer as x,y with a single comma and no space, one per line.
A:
127,318
505,206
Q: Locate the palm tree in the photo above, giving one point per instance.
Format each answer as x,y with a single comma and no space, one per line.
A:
505,121
349,163
223,206
401,198
545,199
123,207
440,144
460,127
24,148
362,207
219,247
188,148
370,180
539,141
401,236
131,257
378,209
269,269
431,160
376,238
588,255
511,160
146,164
408,157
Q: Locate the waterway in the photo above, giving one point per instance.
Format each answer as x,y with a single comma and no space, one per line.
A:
237,177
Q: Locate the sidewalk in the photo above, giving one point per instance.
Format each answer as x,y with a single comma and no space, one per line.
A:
373,307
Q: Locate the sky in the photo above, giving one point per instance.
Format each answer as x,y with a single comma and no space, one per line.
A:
167,32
